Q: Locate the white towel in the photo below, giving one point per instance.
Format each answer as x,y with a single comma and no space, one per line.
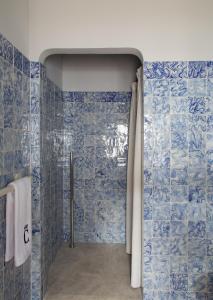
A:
19,222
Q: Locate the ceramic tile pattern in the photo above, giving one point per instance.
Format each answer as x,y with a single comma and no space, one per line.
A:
47,170
178,105
96,130
14,155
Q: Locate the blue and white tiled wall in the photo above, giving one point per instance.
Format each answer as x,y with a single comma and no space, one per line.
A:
178,192
96,130
47,171
14,155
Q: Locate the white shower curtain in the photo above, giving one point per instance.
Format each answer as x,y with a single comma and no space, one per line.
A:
134,185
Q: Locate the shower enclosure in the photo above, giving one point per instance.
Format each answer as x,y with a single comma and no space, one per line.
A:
90,120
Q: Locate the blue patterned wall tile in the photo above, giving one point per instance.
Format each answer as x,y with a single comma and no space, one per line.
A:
8,51
178,264
160,246
196,264
197,282
197,105
160,105
178,88
197,212
197,176
178,211
197,247
178,246
197,229
18,59
147,264
197,87
176,295
210,69
179,127
26,66
179,193
147,203
179,282
161,212
161,229
160,88
35,69
179,176
196,194
179,105
176,69
210,88
155,70
197,69
161,281
161,195
161,176
209,228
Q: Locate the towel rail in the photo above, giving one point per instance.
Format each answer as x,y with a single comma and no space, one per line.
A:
6,190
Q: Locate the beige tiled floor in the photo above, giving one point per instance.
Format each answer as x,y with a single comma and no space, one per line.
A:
91,272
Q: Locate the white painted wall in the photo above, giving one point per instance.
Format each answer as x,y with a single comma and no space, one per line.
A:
161,30
99,72
53,65
14,23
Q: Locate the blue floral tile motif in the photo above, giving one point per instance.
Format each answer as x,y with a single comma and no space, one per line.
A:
210,282
160,195
179,193
179,126
147,247
210,69
147,203
197,88
196,194
178,264
197,69
34,69
179,282
178,246
178,88
196,264
161,281
197,282
197,212
26,66
155,70
176,69
179,176
160,246
160,88
179,295
161,212
161,176
179,105
178,211
17,59
178,228
197,247
161,229
160,105
160,264
197,105
7,51
197,229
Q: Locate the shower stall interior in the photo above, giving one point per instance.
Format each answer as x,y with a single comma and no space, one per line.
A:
81,106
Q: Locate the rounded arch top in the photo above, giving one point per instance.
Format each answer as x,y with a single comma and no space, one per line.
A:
98,51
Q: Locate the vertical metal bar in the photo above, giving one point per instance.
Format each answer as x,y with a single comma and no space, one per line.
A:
71,244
